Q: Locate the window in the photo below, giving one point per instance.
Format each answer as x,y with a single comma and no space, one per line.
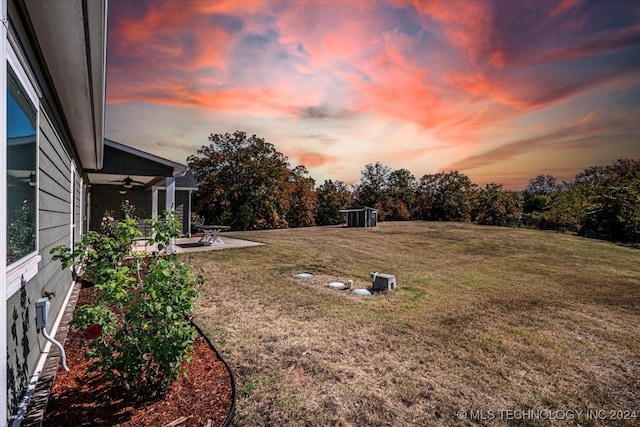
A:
21,170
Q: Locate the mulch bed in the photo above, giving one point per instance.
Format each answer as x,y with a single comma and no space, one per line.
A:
79,398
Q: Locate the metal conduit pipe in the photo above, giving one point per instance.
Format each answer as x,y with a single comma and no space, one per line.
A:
42,315
63,356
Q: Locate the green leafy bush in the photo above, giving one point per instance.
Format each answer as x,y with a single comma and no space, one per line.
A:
139,324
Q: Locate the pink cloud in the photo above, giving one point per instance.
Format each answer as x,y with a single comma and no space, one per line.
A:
465,24
589,117
461,72
160,37
569,136
314,159
331,32
603,42
563,7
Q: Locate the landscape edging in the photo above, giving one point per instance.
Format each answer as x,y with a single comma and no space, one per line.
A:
232,410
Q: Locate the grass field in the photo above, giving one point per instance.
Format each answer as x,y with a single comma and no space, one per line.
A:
484,319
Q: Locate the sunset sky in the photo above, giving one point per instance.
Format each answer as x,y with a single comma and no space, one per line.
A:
499,90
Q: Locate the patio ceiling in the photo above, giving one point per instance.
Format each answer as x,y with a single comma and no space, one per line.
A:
118,179
122,162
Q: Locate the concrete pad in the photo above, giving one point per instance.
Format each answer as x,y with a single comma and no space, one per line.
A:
190,244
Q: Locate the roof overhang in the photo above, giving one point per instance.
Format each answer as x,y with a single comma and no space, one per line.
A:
356,209
72,35
122,161
163,186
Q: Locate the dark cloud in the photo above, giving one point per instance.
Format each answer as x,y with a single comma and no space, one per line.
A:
228,23
323,111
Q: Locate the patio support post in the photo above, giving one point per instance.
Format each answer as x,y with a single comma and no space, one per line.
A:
189,216
170,204
154,202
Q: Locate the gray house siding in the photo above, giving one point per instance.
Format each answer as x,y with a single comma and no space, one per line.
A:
25,344
77,207
182,207
62,75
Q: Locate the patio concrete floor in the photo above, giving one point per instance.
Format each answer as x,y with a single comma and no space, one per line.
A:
190,245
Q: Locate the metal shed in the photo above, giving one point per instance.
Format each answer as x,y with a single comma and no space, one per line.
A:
360,216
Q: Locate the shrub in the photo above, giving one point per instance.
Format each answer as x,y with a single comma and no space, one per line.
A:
139,324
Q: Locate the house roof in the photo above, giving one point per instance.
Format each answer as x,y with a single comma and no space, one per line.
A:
356,209
187,181
143,155
122,161
72,36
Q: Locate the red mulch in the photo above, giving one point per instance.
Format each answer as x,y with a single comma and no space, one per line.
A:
79,398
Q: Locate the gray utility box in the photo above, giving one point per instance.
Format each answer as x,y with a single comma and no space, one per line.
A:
384,282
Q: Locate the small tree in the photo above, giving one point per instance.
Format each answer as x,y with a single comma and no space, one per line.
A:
373,189
538,193
446,196
332,196
615,209
401,194
243,182
303,202
496,206
567,208
139,324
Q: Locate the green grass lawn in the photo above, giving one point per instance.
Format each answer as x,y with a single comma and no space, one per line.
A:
484,318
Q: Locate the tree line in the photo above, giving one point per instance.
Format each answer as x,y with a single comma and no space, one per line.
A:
246,183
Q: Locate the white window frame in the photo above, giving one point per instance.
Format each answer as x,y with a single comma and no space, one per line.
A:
72,203
27,267
3,214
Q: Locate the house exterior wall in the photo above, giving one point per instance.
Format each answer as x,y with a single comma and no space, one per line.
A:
59,196
3,202
55,200
182,207
76,227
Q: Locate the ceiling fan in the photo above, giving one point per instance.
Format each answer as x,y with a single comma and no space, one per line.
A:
128,182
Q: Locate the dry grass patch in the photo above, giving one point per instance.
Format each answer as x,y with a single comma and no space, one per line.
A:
484,318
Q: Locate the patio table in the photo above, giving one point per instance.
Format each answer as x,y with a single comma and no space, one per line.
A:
211,234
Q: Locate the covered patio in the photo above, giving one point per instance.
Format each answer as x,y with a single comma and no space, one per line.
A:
149,182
